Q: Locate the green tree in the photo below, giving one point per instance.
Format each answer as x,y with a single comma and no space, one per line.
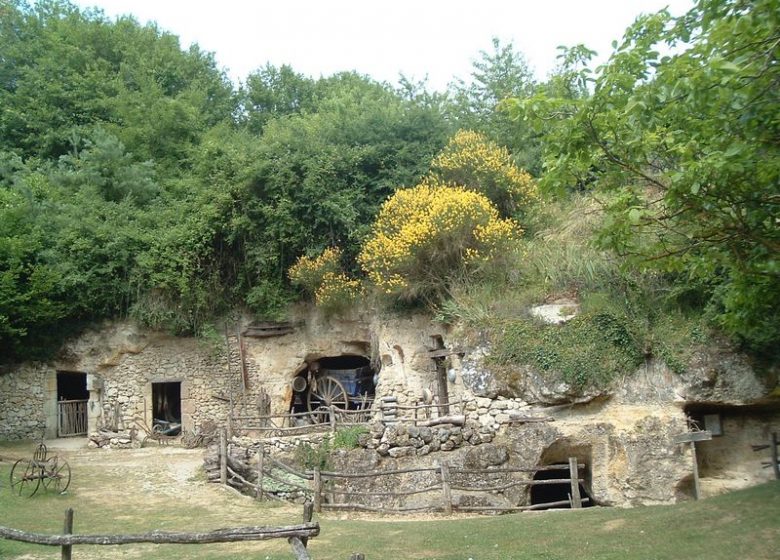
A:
687,146
500,74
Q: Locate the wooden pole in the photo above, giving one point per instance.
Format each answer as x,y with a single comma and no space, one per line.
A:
223,450
308,512
317,483
775,464
696,486
332,414
68,530
576,499
446,490
260,470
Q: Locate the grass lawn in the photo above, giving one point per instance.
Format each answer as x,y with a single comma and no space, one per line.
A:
743,525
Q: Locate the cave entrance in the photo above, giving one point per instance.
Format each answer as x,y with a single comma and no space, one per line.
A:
72,399
557,493
555,460
166,408
345,382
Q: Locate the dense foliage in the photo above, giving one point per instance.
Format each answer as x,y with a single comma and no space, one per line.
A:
686,146
135,179
430,235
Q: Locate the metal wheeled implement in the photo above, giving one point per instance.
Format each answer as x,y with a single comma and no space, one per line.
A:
51,472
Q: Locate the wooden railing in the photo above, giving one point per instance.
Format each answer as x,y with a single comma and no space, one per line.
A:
296,535
296,423
72,418
445,484
318,484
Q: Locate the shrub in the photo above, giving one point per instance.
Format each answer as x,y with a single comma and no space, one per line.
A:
310,456
427,236
308,272
347,438
471,160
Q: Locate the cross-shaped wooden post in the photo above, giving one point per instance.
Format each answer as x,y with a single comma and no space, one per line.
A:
692,438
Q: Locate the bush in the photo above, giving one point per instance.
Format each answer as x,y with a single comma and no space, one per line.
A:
471,160
308,272
428,236
310,456
589,351
347,438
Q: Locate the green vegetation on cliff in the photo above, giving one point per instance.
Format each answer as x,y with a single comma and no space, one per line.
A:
135,180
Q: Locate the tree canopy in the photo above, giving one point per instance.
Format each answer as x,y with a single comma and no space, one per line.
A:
137,180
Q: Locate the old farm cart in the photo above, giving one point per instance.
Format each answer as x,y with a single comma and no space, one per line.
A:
343,389
27,475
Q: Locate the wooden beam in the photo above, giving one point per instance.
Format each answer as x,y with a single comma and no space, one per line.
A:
444,352
692,436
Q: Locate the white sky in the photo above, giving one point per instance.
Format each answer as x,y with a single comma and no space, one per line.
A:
437,38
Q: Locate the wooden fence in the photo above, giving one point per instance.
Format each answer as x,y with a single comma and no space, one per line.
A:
296,535
446,483
330,490
387,410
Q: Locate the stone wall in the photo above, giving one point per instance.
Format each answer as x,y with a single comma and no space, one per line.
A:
22,402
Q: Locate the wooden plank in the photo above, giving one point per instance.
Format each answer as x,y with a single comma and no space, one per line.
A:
692,436
237,534
443,352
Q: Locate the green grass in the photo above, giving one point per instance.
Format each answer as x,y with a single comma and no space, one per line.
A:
744,524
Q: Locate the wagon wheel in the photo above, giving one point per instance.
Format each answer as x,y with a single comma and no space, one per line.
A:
326,392
25,477
57,476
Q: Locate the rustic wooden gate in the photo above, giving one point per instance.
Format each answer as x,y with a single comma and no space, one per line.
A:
72,418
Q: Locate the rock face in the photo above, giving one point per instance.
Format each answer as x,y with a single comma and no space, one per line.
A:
624,434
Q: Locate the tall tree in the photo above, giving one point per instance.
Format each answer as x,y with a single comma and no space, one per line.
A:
688,147
500,74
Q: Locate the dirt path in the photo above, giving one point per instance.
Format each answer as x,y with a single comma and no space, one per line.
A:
141,490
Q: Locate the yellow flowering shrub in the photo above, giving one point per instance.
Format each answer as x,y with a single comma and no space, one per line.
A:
323,278
309,272
337,291
426,236
472,160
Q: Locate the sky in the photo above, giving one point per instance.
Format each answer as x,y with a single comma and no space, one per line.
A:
437,39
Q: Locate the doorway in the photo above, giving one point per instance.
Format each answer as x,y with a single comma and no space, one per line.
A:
72,399
166,408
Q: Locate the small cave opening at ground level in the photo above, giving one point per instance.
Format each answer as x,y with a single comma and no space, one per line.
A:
556,493
557,455
346,382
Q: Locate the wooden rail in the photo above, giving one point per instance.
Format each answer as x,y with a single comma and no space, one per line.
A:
297,536
445,485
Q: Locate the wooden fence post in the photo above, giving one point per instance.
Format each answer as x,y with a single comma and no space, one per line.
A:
446,490
332,414
574,474
68,530
317,482
260,470
775,465
308,511
223,456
